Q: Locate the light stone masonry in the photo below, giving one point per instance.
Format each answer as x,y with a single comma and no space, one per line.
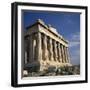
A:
46,47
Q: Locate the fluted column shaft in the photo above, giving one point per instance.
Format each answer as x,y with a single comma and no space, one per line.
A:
39,45
45,47
51,49
31,49
25,57
59,52
55,50
62,51
67,53
66,57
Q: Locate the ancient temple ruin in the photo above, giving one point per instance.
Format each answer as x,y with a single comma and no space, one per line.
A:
44,47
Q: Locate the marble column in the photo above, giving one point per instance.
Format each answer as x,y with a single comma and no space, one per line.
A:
64,54
59,53
51,49
39,45
55,50
67,52
66,57
31,49
25,57
45,47
62,51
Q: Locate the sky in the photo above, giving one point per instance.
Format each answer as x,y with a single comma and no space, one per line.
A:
67,25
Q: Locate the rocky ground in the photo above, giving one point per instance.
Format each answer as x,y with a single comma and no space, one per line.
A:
52,71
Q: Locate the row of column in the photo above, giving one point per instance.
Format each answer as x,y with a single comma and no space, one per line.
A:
55,52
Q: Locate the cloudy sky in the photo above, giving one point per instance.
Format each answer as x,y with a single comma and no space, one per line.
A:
66,23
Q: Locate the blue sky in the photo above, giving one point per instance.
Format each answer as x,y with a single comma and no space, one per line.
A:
66,23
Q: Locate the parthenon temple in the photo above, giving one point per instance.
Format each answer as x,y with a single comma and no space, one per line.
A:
44,47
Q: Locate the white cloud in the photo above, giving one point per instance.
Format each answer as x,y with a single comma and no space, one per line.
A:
72,44
75,56
74,40
74,47
76,36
